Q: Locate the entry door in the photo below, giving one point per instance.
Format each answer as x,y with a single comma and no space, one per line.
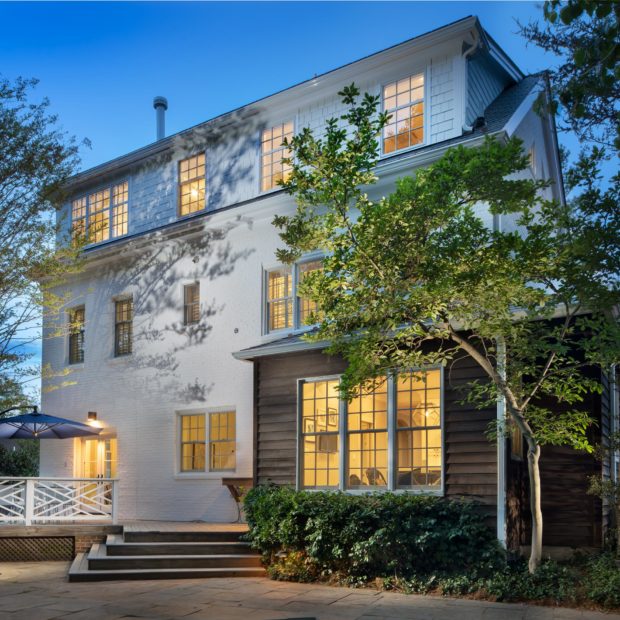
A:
99,458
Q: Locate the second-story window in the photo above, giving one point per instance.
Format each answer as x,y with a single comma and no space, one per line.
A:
101,215
404,101
123,327
76,335
191,303
273,169
192,184
285,307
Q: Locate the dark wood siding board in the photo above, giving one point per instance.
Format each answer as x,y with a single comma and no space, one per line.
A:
466,446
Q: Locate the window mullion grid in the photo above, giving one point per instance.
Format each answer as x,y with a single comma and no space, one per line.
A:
344,447
391,432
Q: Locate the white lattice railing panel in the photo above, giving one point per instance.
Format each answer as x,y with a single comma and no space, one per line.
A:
12,500
41,500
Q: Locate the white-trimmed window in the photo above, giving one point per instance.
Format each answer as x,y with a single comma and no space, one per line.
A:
101,215
222,441
76,335
191,303
388,437
193,442
192,174
208,441
285,308
273,169
123,327
404,101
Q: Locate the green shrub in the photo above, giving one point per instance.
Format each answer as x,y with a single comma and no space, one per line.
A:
362,537
601,582
551,581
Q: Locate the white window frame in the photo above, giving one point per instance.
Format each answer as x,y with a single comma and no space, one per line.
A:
207,474
270,125
392,430
297,326
425,70
86,197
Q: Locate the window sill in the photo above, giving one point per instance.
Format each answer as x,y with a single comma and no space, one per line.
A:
401,151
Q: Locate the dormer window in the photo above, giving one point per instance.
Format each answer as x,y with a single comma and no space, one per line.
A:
273,169
404,101
192,184
101,215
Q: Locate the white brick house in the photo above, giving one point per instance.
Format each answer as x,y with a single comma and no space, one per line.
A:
177,287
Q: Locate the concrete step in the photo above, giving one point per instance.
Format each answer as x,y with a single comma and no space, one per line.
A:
80,571
115,545
98,559
156,536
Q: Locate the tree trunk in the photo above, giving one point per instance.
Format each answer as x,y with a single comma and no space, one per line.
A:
533,468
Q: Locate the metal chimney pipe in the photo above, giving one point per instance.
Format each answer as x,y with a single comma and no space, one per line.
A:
161,105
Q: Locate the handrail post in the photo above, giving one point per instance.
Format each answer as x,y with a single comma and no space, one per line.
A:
114,502
29,502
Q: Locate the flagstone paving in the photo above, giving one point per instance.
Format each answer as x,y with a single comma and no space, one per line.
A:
40,591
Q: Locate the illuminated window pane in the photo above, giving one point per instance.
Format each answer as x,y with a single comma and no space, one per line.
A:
192,184
123,328
367,438
193,443
419,441
120,200
76,335
279,299
222,441
273,169
404,101
320,443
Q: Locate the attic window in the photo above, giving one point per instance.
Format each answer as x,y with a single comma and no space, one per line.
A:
404,102
192,184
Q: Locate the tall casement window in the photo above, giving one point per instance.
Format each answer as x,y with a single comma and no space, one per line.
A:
320,421
192,184
388,437
208,442
222,441
101,215
76,335
404,101
273,169
191,303
285,308
123,327
193,442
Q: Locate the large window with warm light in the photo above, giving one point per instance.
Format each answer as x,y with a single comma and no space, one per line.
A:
101,215
285,306
403,100
273,168
388,437
192,182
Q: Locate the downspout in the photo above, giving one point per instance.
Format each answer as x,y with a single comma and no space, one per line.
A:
466,54
501,446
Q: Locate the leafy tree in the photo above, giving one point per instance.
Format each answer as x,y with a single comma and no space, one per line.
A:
20,457
36,158
609,489
416,278
585,84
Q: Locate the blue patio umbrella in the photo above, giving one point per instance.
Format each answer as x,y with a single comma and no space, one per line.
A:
37,425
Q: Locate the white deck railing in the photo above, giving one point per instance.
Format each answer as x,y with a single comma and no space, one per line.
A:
51,500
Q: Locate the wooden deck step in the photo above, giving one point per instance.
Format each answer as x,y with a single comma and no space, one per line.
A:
141,536
116,545
79,571
98,559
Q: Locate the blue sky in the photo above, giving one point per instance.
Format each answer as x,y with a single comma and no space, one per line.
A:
101,63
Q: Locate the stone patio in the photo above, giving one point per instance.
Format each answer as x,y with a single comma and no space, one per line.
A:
40,591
